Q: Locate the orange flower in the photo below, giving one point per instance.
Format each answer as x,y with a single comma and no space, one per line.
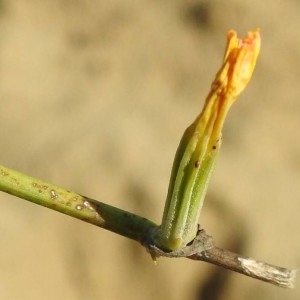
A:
199,146
237,69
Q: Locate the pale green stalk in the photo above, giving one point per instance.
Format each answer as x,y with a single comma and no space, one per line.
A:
75,205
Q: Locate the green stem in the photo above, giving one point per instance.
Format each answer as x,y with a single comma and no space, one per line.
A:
75,205
133,226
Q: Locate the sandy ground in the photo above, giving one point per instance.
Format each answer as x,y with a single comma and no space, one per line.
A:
95,96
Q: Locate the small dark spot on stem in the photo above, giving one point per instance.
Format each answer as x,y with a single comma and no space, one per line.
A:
197,164
4,173
126,215
214,147
75,198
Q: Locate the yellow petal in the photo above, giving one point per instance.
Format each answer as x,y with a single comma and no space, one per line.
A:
239,62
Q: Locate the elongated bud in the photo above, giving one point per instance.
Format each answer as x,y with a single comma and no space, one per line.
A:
200,144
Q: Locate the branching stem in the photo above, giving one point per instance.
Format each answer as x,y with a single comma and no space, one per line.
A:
135,227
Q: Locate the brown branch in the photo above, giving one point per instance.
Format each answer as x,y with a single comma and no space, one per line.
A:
203,248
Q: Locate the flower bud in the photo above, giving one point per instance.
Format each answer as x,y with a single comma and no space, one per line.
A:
200,144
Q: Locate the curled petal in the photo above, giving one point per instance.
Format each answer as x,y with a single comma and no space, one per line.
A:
241,55
237,69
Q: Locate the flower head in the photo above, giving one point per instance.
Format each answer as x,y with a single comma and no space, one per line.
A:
200,144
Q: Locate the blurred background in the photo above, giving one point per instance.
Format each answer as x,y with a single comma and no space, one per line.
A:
95,96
